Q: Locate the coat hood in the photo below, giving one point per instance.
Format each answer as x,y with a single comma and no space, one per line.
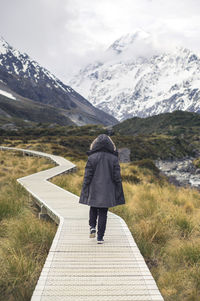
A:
103,143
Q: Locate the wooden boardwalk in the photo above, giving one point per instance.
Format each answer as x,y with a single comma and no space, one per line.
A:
76,268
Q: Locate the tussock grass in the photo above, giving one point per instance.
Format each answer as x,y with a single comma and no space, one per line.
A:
165,223
24,239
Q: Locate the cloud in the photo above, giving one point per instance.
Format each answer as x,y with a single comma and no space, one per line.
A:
65,35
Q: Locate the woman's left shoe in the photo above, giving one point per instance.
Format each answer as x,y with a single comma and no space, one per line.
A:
92,232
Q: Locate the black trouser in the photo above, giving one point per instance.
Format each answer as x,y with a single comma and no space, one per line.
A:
101,213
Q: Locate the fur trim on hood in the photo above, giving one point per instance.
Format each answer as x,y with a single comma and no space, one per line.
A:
103,143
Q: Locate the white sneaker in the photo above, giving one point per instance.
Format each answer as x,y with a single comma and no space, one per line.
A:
100,241
92,232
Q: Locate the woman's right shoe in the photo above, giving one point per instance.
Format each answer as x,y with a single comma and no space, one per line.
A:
100,241
92,232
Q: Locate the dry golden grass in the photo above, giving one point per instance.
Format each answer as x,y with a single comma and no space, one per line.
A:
164,221
24,240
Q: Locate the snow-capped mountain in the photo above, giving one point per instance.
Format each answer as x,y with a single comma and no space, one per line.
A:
136,78
24,76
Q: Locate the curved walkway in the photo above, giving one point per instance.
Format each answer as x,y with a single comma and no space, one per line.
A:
76,268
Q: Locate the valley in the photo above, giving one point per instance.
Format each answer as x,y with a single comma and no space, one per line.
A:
150,108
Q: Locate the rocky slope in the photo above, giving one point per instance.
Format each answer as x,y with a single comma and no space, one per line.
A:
17,111
132,79
180,172
22,75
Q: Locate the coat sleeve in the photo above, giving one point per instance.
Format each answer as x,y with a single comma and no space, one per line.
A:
89,172
119,193
116,172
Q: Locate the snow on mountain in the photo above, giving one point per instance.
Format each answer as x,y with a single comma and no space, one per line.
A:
21,64
135,77
9,95
24,76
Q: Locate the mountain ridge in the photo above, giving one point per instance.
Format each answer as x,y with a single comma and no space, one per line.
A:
27,78
129,82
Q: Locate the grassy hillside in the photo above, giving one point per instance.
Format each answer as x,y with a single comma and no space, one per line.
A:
67,142
175,123
164,221
173,135
24,239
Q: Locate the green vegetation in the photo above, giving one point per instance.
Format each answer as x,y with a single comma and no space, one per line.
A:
24,239
164,221
153,147
164,136
175,123
153,137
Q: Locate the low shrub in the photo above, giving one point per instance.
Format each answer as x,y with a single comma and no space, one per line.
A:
147,163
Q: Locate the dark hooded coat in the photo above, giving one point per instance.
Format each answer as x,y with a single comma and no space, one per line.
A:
102,184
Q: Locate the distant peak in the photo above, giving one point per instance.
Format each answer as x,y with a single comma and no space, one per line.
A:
3,42
2,39
126,40
3,45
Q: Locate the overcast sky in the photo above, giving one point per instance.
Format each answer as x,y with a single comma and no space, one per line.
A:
63,35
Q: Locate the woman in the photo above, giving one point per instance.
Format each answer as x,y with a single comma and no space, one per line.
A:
102,184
